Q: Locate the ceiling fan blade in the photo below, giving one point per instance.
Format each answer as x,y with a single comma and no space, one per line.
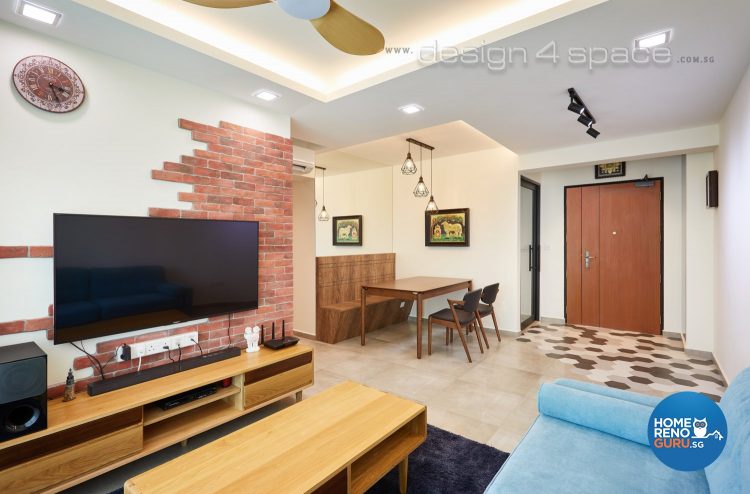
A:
349,33
228,4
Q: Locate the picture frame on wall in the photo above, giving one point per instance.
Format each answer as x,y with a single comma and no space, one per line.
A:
446,228
347,230
609,170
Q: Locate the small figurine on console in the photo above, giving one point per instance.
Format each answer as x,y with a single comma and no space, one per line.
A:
253,339
70,387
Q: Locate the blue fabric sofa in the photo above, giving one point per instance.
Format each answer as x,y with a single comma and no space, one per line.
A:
89,295
593,439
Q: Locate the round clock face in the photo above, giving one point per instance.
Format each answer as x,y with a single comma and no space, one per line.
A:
48,84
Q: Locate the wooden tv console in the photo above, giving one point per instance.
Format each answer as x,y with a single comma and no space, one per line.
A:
92,435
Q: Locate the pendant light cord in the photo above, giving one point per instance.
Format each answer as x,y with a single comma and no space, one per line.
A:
421,165
431,189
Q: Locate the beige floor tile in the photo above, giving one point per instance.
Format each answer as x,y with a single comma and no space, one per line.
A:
475,430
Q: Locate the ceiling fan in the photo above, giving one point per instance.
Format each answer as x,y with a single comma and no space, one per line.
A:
338,26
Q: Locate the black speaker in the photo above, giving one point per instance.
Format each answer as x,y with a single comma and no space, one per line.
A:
23,390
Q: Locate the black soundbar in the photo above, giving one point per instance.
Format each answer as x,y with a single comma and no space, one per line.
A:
119,382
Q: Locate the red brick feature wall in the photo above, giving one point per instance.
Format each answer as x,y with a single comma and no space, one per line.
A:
243,174
14,252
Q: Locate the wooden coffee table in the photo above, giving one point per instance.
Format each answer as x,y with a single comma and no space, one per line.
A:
343,440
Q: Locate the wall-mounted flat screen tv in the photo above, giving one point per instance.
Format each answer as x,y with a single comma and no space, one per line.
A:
115,274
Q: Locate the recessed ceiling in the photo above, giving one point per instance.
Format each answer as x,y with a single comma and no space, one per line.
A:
449,139
265,40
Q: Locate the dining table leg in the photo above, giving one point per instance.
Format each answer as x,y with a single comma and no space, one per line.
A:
419,325
363,301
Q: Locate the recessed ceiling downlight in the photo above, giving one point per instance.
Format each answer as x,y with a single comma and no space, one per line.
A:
411,109
266,95
653,40
38,13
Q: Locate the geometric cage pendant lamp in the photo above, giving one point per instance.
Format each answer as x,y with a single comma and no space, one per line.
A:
421,189
323,216
408,168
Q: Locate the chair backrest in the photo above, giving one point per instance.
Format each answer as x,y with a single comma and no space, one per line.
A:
730,472
471,301
489,294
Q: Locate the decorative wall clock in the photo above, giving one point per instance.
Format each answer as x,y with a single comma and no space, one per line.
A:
49,84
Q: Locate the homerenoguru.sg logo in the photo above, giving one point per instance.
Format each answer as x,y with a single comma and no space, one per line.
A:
687,431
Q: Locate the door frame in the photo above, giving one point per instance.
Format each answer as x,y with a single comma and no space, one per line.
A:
536,188
661,242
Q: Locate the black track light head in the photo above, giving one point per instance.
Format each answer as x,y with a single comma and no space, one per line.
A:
593,132
586,121
576,108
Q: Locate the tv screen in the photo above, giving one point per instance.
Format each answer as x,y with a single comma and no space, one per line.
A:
115,274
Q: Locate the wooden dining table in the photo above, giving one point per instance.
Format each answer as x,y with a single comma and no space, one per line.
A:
418,289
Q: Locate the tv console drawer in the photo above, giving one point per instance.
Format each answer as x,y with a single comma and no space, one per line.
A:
38,471
278,379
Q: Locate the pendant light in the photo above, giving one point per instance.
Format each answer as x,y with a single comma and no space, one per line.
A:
324,216
432,205
409,168
421,189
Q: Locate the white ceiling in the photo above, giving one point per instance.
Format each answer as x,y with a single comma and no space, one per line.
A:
265,40
523,107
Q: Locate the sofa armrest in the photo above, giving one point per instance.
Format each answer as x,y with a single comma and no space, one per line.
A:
622,394
614,416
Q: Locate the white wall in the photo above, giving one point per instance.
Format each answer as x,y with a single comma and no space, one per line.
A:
97,159
367,193
487,183
731,339
699,255
303,232
552,268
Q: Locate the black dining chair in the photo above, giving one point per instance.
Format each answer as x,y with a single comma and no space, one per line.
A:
489,295
460,315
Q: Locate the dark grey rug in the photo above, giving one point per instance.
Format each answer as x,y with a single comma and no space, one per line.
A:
445,463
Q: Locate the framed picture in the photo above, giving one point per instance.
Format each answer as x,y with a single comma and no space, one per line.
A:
446,228
609,170
347,230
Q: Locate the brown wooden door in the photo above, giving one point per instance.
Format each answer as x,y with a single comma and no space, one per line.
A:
613,256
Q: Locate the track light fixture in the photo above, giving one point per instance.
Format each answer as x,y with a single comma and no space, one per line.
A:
585,121
576,108
585,117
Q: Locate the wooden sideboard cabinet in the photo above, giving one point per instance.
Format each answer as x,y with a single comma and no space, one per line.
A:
95,434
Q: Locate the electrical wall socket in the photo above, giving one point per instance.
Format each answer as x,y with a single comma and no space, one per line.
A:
152,347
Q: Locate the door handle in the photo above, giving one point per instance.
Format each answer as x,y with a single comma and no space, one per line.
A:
531,258
587,259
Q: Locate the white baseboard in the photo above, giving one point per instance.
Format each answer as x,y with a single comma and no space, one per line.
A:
552,320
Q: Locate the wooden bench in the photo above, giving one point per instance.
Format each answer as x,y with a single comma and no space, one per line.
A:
338,283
